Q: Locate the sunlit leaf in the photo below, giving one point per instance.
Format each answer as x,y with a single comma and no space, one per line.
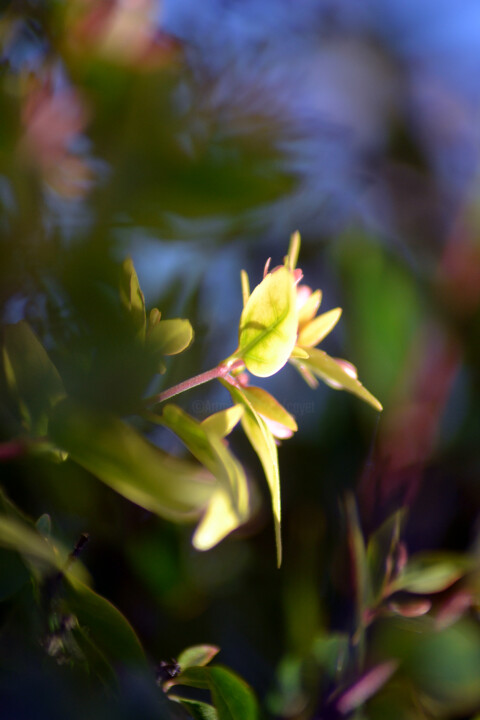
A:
299,353
245,287
268,325
116,454
170,337
132,296
229,505
318,328
222,423
268,406
197,655
432,572
293,251
309,307
32,378
263,443
332,372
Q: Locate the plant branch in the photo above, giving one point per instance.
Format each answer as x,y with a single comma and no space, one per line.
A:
215,373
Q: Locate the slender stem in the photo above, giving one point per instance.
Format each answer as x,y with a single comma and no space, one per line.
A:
217,372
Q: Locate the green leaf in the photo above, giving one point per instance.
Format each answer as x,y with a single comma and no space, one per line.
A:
170,337
263,443
229,505
132,296
231,696
196,709
293,251
318,328
223,422
268,324
268,406
19,536
120,457
109,630
197,655
332,373
432,572
380,552
245,287
31,376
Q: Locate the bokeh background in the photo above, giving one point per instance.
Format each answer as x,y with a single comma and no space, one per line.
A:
196,137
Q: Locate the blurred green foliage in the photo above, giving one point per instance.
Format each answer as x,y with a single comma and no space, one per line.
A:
107,137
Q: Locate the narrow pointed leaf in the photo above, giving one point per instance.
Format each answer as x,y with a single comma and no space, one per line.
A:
268,325
263,443
120,457
132,296
293,251
170,337
331,372
245,287
318,328
32,378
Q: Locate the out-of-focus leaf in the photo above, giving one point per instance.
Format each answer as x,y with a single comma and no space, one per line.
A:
318,328
109,630
31,376
17,535
411,608
432,572
367,686
229,505
245,286
116,454
132,296
332,372
380,550
359,559
268,324
291,258
222,423
263,443
170,337
232,697
197,655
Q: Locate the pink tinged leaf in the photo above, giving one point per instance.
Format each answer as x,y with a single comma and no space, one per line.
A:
366,687
453,609
411,608
278,430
